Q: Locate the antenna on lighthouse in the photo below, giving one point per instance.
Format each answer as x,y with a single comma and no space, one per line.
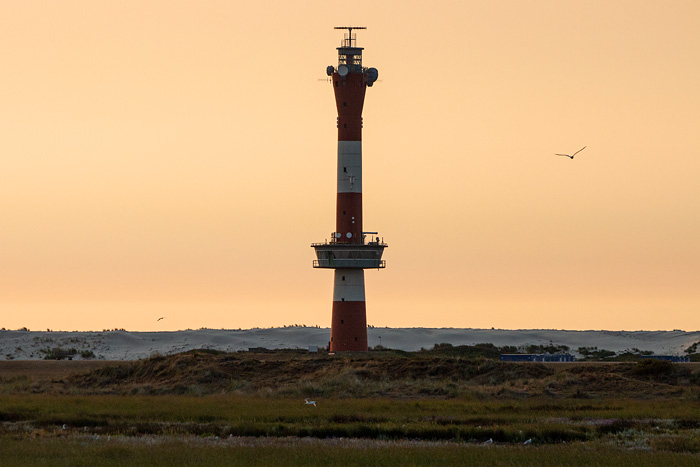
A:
349,39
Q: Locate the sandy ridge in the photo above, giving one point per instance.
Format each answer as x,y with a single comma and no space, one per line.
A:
128,345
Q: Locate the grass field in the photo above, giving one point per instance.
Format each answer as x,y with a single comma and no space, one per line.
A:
203,408
169,451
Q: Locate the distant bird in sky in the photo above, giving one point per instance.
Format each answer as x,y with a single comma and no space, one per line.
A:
308,402
160,318
571,156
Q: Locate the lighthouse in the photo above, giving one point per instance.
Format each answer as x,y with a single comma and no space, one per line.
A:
349,250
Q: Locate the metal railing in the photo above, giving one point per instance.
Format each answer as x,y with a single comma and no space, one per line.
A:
350,263
372,242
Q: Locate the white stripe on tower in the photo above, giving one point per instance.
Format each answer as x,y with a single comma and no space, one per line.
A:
349,285
349,166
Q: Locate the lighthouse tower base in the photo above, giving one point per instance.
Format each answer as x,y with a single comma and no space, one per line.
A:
349,319
348,260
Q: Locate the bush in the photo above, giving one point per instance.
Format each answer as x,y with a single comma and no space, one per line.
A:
593,353
488,351
58,353
551,349
651,367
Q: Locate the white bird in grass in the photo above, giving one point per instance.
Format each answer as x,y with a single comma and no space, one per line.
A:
488,441
571,156
308,402
528,441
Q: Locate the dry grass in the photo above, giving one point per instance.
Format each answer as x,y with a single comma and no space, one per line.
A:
47,369
377,374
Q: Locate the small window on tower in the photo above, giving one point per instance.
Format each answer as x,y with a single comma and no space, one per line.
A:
345,169
345,125
343,277
342,321
345,104
344,212
342,299
356,339
336,84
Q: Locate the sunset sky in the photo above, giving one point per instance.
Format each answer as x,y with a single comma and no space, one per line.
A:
177,159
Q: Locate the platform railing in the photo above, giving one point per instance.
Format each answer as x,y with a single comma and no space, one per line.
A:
373,241
350,263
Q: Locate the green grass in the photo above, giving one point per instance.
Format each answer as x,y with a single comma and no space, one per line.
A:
544,421
251,431
175,452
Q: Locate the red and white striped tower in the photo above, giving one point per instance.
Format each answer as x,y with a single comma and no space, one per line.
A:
350,250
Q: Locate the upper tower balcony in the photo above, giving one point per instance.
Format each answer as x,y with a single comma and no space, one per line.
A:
334,255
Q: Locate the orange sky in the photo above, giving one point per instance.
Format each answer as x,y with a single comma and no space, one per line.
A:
177,159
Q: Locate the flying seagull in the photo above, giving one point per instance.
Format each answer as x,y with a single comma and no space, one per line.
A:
571,156
160,318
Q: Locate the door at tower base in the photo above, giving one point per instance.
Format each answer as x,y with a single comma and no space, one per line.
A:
349,327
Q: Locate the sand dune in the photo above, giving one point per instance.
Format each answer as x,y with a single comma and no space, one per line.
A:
126,345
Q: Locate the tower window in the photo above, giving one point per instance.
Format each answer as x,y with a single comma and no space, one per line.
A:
345,125
356,339
342,321
345,169
343,277
345,104
344,212
336,84
342,299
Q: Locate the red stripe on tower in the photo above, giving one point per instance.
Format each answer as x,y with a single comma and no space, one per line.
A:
348,252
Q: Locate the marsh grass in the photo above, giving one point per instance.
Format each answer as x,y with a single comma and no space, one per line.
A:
390,409
543,421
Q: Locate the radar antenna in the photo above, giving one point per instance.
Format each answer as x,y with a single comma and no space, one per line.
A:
349,39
